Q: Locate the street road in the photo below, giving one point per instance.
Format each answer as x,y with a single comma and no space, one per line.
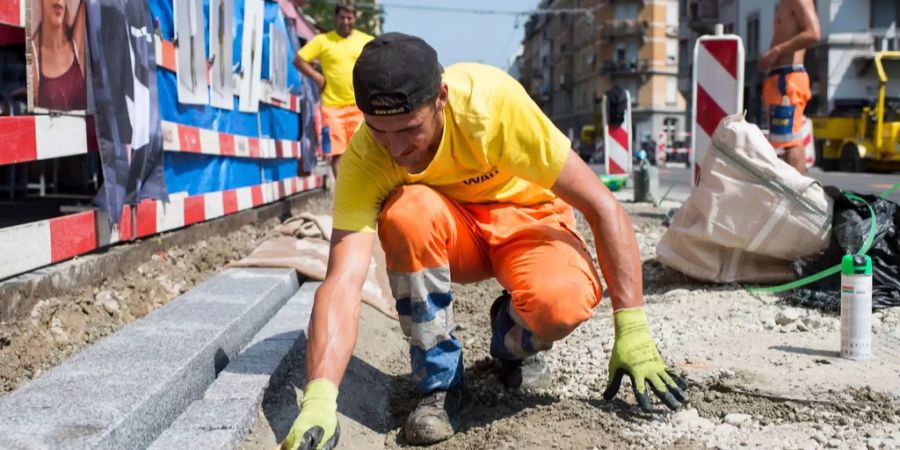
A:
867,183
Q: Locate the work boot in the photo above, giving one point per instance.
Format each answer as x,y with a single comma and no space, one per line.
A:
437,416
529,373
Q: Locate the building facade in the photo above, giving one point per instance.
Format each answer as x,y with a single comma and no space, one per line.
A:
575,50
840,66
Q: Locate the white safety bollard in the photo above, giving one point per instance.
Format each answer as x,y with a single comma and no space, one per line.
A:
718,90
617,141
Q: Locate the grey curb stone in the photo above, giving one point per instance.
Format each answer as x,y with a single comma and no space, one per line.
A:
228,409
125,390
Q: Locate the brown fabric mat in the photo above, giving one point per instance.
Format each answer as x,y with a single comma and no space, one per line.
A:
303,245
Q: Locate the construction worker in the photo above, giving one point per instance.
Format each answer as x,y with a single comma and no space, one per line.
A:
786,87
464,178
336,51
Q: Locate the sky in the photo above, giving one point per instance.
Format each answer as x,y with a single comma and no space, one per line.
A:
462,37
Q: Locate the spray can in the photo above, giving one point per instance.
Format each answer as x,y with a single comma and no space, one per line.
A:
856,307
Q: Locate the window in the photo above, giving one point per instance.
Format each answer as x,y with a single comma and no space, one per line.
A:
672,14
672,51
753,36
672,91
632,87
620,53
625,11
884,14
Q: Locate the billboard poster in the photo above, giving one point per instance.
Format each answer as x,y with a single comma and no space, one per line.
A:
190,57
278,58
251,56
57,56
221,13
123,68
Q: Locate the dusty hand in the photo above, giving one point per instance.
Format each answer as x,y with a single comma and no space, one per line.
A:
634,354
316,428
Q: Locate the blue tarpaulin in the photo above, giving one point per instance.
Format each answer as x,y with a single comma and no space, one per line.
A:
197,174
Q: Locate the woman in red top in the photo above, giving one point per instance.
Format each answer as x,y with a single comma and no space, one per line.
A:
58,41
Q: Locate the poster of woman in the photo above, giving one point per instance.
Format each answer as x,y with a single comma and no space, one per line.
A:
56,47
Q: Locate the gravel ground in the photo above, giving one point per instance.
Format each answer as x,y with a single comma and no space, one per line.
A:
761,374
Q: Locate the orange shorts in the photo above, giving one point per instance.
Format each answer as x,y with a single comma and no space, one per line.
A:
785,94
342,122
534,252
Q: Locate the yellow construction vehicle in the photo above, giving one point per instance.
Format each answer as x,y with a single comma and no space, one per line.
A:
856,136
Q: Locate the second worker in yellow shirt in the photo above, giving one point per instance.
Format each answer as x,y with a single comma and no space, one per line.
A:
337,52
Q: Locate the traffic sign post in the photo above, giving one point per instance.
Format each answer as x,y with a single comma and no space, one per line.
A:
718,90
617,141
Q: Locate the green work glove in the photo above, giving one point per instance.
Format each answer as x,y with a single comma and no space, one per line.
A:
635,354
316,428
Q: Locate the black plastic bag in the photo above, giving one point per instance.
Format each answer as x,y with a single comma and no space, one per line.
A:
850,228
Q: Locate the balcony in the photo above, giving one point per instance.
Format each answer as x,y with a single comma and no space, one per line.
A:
626,68
703,15
623,28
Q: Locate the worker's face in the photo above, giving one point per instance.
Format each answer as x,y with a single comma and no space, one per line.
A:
53,12
344,22
411,139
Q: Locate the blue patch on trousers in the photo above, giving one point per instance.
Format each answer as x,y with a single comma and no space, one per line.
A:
421,312
438,368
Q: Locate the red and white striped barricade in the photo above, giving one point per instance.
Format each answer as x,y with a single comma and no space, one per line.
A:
617,141
809,143
718,90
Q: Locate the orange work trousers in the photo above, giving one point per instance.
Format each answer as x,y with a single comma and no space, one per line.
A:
534,252
342,122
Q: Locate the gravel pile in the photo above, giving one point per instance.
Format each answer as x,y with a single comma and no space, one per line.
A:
762,374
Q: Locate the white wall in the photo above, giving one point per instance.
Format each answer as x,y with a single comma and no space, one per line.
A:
765,9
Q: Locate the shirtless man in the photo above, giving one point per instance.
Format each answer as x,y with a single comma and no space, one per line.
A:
786,88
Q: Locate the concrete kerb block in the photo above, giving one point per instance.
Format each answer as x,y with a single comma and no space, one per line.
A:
126,389
242,384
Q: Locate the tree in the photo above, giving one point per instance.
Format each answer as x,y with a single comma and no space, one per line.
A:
371,15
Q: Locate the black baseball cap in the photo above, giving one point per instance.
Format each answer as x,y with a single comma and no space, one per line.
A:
395,74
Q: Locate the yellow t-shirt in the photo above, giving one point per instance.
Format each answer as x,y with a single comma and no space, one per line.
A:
337,55
497,146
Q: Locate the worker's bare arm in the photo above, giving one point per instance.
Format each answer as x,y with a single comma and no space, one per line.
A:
617,247
335,317
307,69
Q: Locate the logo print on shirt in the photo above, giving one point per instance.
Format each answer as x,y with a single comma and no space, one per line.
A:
482,178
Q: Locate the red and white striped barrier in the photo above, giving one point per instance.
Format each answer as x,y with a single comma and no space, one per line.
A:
617,141
661,146
37,244
165,58
12,12
33,138
184,138
809,143
718,90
